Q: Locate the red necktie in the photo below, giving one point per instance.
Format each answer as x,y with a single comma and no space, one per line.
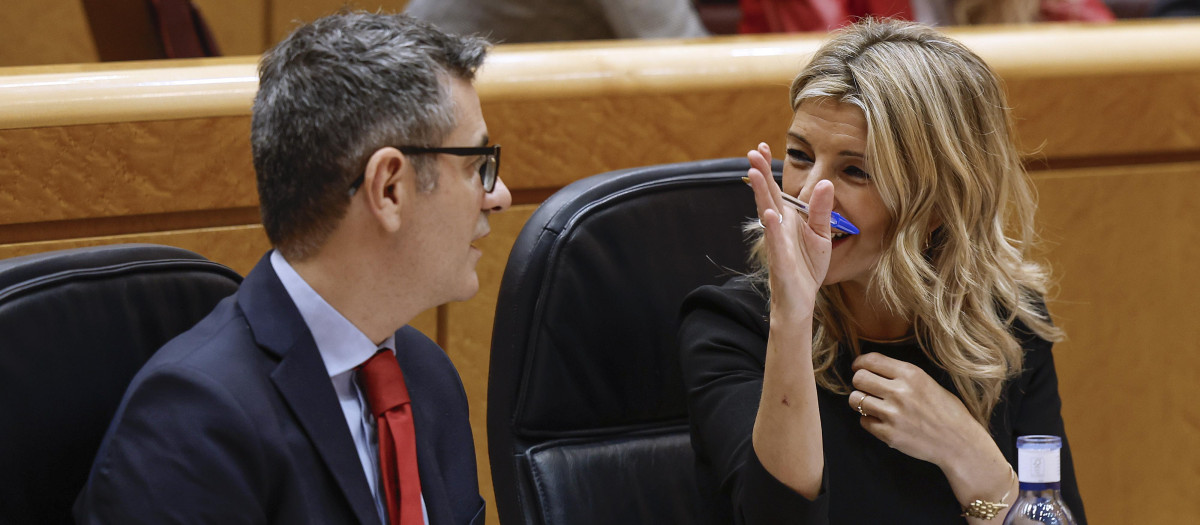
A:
390,405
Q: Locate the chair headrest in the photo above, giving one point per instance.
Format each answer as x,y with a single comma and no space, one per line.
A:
584,338
76,325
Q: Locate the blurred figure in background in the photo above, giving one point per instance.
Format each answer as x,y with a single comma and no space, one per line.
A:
1174,8
513,21
788,16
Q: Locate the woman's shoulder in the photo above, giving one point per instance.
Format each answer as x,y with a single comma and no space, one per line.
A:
738,301
738,293
1037,351
1028,338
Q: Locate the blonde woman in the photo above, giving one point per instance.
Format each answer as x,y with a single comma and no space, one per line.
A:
881,377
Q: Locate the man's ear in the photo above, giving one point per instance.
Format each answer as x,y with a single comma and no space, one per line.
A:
387,182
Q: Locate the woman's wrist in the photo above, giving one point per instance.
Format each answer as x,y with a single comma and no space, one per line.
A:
988,509
970,450
979,472
790,330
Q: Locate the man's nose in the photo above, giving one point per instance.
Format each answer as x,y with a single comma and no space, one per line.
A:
499,199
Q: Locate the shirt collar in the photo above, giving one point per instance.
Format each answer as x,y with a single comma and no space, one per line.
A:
341,344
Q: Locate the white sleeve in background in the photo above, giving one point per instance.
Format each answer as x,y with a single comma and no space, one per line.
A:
653,18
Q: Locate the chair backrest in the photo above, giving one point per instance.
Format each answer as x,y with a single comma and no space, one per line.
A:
587,420
75,326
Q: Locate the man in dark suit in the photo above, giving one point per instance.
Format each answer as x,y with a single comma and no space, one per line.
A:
259,414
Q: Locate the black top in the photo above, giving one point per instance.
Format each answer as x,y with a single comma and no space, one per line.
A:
723,340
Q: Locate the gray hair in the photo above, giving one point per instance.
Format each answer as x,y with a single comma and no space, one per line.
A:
334,92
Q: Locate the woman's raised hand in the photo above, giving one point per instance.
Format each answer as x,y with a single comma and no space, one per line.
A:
798,251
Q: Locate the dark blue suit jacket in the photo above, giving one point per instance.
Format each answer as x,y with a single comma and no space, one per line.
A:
236,421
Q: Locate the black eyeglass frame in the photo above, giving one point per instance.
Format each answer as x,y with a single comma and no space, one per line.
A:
489,170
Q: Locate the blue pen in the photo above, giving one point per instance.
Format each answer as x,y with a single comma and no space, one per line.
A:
836,221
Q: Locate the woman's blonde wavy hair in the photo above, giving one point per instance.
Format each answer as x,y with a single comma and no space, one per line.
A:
941,150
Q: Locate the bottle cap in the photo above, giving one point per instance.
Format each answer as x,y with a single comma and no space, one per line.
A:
1038,459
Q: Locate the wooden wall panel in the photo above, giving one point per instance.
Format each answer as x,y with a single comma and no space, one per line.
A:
469,334
238,247
557,141
128,168
1124,242
34,32
1108,115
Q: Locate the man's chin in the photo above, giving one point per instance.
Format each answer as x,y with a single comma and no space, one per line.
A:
468,290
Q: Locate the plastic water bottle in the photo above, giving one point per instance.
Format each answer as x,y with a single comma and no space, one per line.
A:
1040,500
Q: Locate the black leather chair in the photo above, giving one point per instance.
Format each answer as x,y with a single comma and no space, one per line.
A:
587,420
75,325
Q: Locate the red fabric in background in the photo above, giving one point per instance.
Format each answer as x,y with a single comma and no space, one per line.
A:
182,29
1083,11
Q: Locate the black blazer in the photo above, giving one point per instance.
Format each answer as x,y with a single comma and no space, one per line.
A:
723,344
236,421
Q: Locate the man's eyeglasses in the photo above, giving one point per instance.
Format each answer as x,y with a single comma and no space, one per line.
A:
488,169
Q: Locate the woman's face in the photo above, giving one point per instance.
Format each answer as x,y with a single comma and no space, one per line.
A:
828,140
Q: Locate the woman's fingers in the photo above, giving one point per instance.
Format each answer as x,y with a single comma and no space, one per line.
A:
764,152
876,415
820,206
872,396
882,430
872,384
907,409
760,157
882,365
768,199
759,183
858,401
760,168
762,196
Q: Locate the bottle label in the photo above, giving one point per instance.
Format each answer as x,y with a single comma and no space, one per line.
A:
1038,465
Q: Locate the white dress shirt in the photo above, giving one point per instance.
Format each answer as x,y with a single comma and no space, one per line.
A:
343,347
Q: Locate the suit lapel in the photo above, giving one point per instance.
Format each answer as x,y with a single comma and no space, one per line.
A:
303,383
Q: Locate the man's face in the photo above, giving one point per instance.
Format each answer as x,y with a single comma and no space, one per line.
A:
448,220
